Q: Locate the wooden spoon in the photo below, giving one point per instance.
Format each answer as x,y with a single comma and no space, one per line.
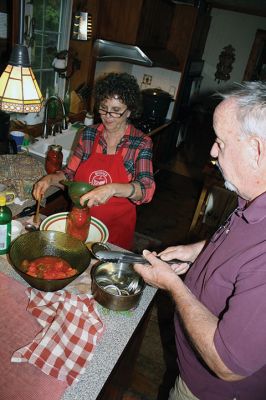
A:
36,218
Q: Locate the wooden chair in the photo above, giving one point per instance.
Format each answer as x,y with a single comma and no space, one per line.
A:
214,205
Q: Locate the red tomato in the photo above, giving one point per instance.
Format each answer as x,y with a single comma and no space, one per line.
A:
49,267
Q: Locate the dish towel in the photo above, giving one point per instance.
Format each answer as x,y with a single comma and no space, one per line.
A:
71,329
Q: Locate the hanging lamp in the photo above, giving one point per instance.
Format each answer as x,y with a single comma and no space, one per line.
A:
19,90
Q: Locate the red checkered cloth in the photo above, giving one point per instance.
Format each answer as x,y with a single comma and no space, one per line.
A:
71,329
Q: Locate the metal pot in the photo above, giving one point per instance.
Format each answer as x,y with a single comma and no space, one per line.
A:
156,103
113,285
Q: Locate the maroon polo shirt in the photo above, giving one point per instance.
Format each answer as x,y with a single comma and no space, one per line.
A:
229,278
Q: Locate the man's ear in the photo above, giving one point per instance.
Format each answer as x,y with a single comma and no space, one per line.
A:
257,151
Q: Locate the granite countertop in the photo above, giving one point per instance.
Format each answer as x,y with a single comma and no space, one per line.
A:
119,327
17,208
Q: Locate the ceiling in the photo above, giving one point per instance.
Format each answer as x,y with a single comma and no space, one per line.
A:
256,7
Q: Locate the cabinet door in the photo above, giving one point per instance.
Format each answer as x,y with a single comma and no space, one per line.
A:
142,22
188,33
119,20
155,23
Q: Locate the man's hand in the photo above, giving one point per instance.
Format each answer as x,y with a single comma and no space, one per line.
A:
158,273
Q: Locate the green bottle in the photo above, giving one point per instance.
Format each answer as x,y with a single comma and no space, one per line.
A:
5,226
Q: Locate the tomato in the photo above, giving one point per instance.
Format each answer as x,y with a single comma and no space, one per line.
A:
48,267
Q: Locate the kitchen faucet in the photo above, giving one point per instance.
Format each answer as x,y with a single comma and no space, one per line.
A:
61,125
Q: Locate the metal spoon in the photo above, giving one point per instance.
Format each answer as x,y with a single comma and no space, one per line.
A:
31,228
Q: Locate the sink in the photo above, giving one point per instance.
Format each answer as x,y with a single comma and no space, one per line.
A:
66,139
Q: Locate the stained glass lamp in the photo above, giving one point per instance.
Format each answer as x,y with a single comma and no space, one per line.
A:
19,90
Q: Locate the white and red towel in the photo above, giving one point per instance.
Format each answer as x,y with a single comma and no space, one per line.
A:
71,329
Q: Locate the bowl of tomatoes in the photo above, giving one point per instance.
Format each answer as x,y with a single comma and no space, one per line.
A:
49,260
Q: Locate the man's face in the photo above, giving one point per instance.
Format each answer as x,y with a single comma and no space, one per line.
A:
230,148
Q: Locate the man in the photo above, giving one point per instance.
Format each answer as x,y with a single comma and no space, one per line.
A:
220,319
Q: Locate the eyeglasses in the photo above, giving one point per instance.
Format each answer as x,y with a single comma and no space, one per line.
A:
112,113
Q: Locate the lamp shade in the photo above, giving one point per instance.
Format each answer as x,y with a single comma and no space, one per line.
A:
19,90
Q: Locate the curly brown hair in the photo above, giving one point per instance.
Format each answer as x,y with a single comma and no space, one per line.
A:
123,85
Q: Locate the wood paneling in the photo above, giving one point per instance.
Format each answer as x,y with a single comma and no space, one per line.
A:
256,62
83,49
119,20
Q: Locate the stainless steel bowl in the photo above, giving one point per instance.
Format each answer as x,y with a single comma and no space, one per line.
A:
116,285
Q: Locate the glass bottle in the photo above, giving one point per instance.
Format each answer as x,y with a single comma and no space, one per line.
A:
78,222
54,158
53,106
5,226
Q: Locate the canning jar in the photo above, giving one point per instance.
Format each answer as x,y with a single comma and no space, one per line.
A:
54,158
78,223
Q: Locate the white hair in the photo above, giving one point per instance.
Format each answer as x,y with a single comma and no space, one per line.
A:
250,100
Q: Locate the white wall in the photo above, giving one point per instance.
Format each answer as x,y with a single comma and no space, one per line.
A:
228,27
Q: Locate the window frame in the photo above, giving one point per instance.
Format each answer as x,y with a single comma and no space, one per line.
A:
62,41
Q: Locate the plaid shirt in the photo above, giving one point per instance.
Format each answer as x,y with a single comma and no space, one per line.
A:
136,153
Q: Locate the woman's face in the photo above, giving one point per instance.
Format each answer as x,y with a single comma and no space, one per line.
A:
117,121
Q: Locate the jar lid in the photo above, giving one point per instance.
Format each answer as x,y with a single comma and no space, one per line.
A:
55,147
2,201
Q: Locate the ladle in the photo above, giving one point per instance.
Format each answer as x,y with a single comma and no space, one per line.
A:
31,228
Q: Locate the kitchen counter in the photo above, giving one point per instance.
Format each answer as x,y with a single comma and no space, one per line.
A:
119,328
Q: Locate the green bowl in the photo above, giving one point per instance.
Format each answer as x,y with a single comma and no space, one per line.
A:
32,245
76,190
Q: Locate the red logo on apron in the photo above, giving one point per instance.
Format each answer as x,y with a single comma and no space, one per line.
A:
99,177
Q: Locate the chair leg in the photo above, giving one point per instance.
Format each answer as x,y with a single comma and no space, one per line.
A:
201,202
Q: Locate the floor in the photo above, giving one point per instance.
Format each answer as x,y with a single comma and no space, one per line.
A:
163,222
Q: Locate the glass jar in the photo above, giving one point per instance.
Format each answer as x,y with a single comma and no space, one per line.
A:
54,159
78,223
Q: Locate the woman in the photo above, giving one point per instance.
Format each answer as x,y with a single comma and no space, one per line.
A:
113,156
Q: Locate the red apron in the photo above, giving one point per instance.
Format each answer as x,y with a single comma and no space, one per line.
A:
118,214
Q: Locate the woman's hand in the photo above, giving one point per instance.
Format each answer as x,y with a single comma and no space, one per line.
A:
45,182
99,195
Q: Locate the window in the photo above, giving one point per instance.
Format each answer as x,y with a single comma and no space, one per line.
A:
48,27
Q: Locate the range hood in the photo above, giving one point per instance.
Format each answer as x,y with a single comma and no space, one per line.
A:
106,50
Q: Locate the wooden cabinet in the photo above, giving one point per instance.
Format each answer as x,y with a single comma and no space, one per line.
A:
177,31
189,30
120,378
142,22
82,49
